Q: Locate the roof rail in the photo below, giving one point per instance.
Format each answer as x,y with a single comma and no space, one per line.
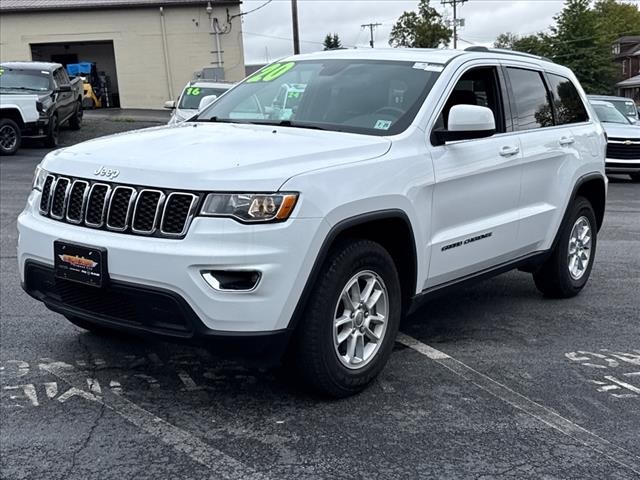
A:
480,48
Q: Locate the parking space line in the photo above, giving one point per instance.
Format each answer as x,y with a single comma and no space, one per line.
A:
224,466
539,412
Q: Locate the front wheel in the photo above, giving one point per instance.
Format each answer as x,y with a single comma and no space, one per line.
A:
75,122
351,320
635,177
53,137
566,271
10,136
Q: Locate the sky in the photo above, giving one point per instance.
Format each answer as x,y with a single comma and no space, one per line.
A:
268,34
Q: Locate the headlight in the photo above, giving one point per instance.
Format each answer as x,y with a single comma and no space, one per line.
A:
39,178
250,207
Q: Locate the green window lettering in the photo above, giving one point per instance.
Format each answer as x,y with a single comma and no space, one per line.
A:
271,72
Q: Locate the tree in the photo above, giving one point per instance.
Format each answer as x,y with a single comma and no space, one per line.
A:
332,42
422,29
506,40
581,39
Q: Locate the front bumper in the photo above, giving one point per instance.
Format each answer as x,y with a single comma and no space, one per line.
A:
613,165
37,129
283,253
144,311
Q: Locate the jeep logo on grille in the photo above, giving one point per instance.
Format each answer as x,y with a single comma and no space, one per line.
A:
106,172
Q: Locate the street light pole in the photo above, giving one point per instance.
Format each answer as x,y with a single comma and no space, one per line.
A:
296,33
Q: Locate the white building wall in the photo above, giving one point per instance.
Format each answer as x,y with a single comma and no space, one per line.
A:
143,79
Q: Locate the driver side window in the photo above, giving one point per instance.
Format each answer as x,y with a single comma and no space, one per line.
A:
479,86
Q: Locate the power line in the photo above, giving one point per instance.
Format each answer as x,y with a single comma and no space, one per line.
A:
371,27
455,3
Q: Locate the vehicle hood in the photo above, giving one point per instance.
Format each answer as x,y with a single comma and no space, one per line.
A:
182,114
618,130
213,156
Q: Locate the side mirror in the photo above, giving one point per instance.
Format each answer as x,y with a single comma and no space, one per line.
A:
206,101
467,122
63,88
170,104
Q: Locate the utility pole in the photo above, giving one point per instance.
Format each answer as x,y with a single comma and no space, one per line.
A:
371,27
296,32
456,21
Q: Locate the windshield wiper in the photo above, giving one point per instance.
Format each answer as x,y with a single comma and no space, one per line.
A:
21,88
289,123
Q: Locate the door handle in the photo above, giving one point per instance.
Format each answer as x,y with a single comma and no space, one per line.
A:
566,141
509,151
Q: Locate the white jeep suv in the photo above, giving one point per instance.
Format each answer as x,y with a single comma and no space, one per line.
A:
398,174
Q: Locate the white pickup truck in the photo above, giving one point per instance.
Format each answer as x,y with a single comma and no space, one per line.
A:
36,98
15,110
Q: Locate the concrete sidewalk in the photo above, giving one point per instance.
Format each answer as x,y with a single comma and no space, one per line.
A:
129,115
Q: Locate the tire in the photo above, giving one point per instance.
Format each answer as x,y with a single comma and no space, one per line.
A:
53,137
319,359
10,137
556,278
75,122
635,177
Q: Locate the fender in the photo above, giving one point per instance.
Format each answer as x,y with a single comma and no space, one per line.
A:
574,193
336,230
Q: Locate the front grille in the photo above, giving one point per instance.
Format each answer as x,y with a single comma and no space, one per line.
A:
176,212
59,200
45,199
77,197
118,208
623,149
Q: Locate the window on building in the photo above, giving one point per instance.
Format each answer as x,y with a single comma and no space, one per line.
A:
533,109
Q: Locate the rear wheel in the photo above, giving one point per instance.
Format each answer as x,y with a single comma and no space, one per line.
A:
635,177
53,137
75,122
350,321
10,136
566,271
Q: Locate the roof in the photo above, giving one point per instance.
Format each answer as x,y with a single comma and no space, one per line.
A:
608,98
628,39
8,6
31,65
437,56
630,82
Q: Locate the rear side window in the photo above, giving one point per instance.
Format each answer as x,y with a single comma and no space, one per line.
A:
566,101
533,109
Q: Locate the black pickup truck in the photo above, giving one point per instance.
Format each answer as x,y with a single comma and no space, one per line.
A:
36,98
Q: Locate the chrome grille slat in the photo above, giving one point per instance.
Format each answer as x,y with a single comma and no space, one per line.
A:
60,198
170,229
72,203
118,208
138,221
117,215
47,193
99,194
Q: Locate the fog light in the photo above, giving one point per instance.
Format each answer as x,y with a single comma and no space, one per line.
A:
232,281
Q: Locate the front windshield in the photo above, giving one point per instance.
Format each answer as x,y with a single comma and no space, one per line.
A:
627,108
359,96
192,95
609,114
11,79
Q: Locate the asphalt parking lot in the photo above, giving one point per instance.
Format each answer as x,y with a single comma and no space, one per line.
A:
493,381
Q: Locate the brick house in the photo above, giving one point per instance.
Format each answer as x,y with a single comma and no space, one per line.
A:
626,52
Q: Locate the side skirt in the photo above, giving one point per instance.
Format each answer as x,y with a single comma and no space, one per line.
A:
527,262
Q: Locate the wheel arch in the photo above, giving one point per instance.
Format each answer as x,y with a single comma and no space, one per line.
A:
13,114
390,228
592,187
